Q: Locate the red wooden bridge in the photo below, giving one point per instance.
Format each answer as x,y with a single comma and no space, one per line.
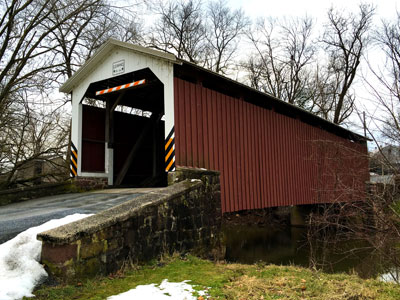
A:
269,153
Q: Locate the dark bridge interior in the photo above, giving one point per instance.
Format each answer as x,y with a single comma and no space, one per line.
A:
129,121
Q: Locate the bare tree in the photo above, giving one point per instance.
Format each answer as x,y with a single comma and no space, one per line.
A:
79,37
179,29
283,62
354,219
11,120
26,40
345,38
387,93
284,52
35,136
224,29
325,86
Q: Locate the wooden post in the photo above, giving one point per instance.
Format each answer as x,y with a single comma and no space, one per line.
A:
155,150
111,105
109,125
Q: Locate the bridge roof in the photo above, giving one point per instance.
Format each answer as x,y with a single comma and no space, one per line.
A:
216,81
213,80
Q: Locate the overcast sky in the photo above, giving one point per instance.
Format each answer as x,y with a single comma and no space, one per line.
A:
313,8
385,9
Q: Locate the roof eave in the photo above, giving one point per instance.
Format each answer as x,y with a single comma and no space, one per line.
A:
103,51
292,106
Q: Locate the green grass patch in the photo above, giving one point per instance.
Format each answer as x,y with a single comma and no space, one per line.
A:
231,281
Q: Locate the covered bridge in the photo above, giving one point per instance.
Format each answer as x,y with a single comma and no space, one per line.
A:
138,113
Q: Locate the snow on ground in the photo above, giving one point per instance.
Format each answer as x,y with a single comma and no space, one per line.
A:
195,180
165,291
20,270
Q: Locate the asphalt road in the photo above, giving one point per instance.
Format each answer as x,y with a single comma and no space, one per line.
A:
17,217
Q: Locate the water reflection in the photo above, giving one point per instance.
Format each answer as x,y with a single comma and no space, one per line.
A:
247,244
289,246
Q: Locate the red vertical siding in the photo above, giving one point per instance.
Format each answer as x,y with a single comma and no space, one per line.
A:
266,159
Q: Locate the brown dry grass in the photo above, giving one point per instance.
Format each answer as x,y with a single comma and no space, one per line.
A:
232,281
291,283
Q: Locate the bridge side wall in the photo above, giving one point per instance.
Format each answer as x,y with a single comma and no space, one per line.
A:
266,159
184,217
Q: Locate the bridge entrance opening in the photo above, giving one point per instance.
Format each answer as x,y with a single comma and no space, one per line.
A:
123,130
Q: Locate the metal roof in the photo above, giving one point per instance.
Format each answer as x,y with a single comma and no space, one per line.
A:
291,108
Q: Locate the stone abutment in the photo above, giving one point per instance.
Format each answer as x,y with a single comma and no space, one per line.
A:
184,217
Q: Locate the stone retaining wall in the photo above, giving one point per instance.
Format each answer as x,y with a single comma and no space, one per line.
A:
31,192
183,217
90,183
78,184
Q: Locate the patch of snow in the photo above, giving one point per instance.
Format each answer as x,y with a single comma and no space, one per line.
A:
392,275
388,179
195,180
165,291
20,270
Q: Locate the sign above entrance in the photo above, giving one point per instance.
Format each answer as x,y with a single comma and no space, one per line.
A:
118,67
121,87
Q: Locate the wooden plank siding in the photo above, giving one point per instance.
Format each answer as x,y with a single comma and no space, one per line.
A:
266,159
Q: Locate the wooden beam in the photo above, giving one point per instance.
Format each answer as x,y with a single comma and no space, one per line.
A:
155,150
116,102
154,119
111,105
109,125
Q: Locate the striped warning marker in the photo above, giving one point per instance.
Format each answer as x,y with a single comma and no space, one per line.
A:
121,87
74,161
170,151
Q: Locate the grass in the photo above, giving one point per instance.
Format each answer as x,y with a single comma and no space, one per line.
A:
231,281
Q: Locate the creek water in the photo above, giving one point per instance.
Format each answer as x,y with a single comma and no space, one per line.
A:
290,246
